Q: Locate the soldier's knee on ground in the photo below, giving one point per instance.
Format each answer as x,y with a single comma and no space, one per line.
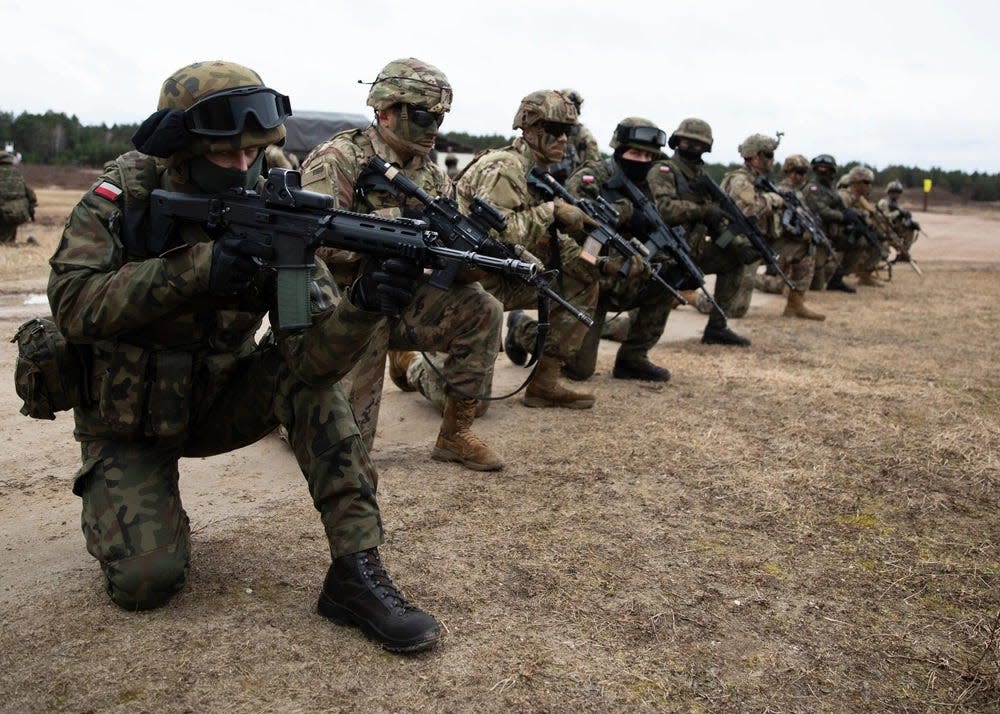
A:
148,580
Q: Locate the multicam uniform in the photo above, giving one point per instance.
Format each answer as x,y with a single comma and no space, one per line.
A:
17,199
755,203
463,322
868,258
500,178
904,230
175,371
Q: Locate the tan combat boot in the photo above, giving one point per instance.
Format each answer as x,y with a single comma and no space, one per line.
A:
544,389
796,307
399,362
867,278
456,442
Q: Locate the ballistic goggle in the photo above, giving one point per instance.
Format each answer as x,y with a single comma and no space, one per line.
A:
226,113
641,135
824,159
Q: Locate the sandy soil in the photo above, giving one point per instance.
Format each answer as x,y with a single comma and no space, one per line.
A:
807,525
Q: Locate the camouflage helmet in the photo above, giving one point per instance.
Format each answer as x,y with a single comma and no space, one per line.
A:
795,161
638,133
545,105
755,144
190,86
575,97
694,129
894,187
860,173
824,160
410,81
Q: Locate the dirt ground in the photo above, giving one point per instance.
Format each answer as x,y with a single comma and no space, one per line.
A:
808,525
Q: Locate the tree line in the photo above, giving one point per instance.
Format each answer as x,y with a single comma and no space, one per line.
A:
55,138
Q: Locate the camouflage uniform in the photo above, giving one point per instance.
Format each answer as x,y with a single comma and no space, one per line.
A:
904,228
17,199
499,177
869,258
174,369
176,372
463,322
651,302
825,201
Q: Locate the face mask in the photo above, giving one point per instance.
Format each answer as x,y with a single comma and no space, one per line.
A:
692,157
212,178
635,170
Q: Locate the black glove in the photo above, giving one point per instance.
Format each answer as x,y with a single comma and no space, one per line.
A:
711,216
747,254
386,286
852,216
235,262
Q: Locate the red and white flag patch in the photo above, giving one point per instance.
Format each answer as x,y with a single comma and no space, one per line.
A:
108,191
664,169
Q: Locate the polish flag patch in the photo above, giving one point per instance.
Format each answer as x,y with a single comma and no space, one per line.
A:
587,179
664,169
108,191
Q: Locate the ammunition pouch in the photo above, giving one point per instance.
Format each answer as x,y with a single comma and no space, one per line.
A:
50,374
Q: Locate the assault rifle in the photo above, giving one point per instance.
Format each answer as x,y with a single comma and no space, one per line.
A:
859,227
803,215
605,215
744,225
660,236
468,233
299,221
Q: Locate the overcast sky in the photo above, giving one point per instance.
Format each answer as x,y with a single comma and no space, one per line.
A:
880,81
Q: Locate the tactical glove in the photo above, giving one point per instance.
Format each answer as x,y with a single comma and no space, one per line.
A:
637,268
712,216
852,216
235,262
386,286
570,218
747,254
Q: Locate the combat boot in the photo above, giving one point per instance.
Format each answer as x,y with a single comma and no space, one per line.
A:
515,353
867,278
544,389
456,442
399,362
639,367
720,334
358,592
795,307
837,283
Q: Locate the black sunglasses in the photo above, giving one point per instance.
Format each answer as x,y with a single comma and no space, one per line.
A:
865,181
226,113
422,117
767,154
800,172
558,128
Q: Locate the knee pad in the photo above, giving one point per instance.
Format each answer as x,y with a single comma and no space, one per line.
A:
148,580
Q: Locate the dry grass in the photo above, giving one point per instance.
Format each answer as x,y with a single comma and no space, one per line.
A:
810,525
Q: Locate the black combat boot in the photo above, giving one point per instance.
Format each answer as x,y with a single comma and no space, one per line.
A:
720,334
639,368
837,283
515,353
357,591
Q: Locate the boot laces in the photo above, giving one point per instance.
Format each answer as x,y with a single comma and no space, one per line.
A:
380,581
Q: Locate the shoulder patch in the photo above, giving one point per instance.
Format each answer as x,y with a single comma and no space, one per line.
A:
813,188
107,191
587,179
664,169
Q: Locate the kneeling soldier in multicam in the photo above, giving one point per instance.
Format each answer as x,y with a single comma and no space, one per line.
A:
500,177
410,99
901,221
857,187
175,370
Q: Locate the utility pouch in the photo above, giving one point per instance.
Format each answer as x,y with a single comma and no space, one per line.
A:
170,393
122,385
725,239
50,374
